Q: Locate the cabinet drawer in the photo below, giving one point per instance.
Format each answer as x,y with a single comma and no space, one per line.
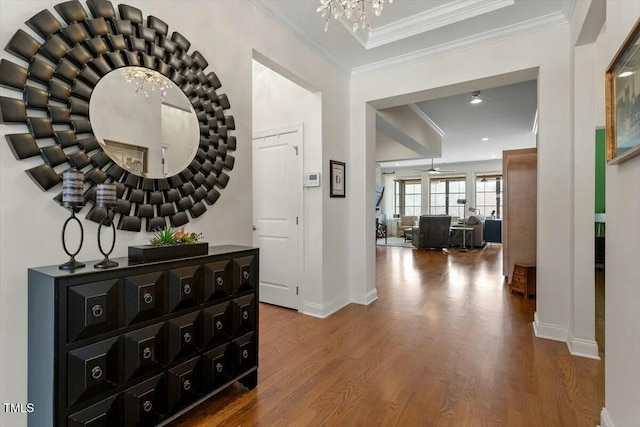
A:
217,280
143,350
518,287
184,288
245,273
520,271
243,312
181,338
93,308
216,366
103,414
216,324
245,353
143,297
183,384
519,279
92,369
144,403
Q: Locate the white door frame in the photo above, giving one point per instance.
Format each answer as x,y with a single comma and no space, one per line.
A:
295,127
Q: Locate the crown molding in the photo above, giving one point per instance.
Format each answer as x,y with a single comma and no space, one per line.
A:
510,31
426,119
568,7
273,11
437,17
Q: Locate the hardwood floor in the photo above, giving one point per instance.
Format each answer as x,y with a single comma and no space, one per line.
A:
445,344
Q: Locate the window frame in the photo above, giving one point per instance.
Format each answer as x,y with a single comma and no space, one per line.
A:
447,193
399,195
499,192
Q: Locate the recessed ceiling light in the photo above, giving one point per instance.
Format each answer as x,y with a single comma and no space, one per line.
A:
397,164
494,157
475,98
625,74
485,139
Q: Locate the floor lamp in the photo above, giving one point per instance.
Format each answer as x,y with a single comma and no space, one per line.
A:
463,202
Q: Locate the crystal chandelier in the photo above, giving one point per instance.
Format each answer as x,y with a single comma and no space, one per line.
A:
146,80
350,8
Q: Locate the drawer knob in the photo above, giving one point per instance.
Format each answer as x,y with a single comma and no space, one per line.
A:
147,406
186,385
219,325
146,353
245,275
219,367
220,281
148,298
96,310
187,289
245,354
245,315
96,372
187,337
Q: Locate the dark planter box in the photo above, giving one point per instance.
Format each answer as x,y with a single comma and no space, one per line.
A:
148,253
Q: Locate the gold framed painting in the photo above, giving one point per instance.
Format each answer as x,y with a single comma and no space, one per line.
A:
622,98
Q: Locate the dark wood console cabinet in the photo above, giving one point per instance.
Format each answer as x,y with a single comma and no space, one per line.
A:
140,344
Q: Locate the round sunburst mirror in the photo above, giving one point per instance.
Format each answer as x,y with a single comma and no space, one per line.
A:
63,68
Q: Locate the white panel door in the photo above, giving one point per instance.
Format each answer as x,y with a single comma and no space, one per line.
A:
277,191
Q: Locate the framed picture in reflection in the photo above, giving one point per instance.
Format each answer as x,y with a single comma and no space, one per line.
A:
133,158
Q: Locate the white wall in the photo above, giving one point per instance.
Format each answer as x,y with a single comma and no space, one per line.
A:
225,32
586,22
278,102
622,274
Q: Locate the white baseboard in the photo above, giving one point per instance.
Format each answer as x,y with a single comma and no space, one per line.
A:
311,309
365,299
583,348
605,419
577,346
549,331
325,310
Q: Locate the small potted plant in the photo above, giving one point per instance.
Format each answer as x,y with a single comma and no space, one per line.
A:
169,243
169,236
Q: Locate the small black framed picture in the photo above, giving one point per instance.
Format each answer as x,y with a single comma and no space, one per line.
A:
337,173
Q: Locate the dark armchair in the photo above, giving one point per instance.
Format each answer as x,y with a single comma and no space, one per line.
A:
432,232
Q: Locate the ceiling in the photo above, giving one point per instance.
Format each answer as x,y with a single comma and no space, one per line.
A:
414,29
410,26
506,117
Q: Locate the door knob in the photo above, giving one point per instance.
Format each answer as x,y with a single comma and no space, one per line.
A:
254,228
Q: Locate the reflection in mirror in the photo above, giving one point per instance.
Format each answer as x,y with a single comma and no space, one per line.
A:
144,122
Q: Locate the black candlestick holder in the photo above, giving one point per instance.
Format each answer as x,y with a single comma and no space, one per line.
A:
106,262
73,199
72,263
